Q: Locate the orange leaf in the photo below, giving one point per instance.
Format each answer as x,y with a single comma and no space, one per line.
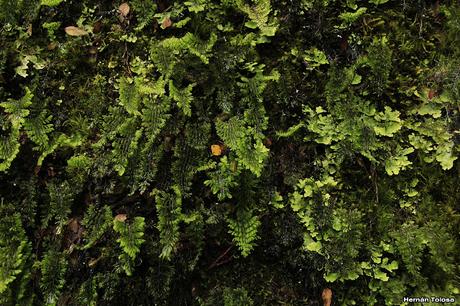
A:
124,9
75,31
121,217
166,23
216,150
327,297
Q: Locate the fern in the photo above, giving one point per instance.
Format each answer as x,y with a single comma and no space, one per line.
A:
237,297
130,97
244,230
125,144
169,210
197,47
17,110
130,240
15,252
38,128
154,117
259,16
183,97
61,197
96,223
9,148
53,269
16,113
222,180
252,157
232,131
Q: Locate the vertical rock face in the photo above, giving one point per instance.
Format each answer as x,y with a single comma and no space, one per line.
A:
233,152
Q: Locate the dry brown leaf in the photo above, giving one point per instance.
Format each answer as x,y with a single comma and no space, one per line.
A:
75,31
124,9
166,23
97,26
327,297
74,225
121,217
216,150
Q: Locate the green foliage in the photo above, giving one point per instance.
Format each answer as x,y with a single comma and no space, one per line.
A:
53,268
15,254
222,180
244,230
130,240
169,210
142,162
236,297
183,97
96,223
51,2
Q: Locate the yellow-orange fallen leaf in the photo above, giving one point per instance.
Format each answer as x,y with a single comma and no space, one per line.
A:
75,31
166,23
121,217
124,9
216,150
327,297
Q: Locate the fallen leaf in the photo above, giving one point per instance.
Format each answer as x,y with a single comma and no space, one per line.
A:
74,225
97,26
166,23
216,150
124,9
75,31
327,297
121,217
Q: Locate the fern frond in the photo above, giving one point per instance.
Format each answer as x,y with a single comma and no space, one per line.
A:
231,131
244,230
9,148
96,223
61,196
17,110
38,128
14,250
130,97
53,269
222,180
125,144
183,97
169,210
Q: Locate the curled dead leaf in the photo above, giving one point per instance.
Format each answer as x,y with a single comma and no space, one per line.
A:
216,150
75,31
166,23
121,217
327,297
124,9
